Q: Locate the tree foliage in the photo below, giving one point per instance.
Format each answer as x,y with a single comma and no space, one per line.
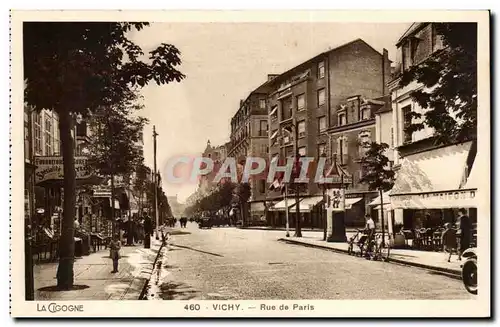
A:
449,76
114,145
377,173
83,66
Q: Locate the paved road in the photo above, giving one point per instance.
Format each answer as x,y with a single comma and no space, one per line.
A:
228,263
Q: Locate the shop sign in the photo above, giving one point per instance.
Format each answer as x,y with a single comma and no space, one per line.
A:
51,168
435,200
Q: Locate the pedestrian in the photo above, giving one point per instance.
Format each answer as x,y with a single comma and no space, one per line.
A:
370,232
114,249
464,231
449,240
148,230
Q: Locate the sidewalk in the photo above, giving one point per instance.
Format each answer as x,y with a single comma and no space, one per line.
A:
93,278
436,261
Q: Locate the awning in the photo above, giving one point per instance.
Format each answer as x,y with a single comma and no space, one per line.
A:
387,207
307,204
280,206
473,179
350,201
432,179
386,198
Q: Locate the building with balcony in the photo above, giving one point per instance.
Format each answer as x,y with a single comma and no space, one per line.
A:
331,99
432,180
249,138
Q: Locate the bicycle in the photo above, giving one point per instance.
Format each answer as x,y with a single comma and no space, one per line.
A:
378,250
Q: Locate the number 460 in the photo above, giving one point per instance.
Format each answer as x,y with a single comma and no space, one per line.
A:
192,307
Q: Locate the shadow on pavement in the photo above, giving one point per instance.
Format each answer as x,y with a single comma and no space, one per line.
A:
177,291
187,247
54,288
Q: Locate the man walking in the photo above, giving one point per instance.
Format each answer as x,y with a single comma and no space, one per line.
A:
148,230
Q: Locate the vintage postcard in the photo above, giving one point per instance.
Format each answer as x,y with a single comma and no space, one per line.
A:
250,164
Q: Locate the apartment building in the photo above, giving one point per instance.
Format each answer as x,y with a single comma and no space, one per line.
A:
249,138
330,100
423,194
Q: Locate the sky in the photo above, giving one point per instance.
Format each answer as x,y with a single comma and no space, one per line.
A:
223,63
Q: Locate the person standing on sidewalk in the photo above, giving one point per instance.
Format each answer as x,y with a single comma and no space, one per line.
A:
449,240
464,231
370,232
148,230
114,249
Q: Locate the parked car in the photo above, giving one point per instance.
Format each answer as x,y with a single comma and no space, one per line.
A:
469,270
205,222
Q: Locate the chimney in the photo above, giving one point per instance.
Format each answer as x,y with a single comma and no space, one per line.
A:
386,71
241,103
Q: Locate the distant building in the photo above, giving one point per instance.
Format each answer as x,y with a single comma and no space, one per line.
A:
249,138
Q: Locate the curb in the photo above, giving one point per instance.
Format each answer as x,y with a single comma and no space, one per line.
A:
445,271
146,283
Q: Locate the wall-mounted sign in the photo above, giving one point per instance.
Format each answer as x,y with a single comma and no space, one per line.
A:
51,168
435,200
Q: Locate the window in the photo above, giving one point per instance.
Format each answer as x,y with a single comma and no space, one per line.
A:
321,97
48,135
406,125
302,151
38,134
321,69
342,119
322,123
263,128
321,149
286,108
342,150
365,113
262,103
301,126
437,40
301,102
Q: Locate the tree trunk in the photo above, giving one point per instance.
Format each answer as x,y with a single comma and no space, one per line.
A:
67,242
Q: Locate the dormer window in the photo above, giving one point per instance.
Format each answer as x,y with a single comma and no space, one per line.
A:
365,113
342,119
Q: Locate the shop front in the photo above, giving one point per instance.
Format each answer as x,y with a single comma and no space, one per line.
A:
429,189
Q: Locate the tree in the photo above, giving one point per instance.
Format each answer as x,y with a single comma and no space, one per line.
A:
78,68
450,80
113,147
377,175
243,192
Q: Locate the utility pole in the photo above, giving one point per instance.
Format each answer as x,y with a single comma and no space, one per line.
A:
155,183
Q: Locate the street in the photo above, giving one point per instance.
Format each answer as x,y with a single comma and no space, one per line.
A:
230,263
